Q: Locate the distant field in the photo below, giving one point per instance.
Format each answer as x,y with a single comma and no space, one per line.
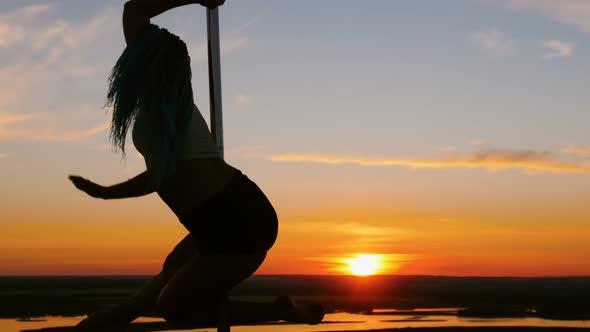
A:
558,298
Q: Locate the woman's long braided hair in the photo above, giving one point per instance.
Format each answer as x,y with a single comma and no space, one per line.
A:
153,74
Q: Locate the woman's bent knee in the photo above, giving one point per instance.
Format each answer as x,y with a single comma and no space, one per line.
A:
183,251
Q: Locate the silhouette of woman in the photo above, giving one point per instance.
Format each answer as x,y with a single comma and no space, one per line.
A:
231,222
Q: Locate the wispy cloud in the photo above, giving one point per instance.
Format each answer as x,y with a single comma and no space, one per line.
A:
244,26
572,12
236,38
33,11
55,31
38,133
243,99
54,58
2,155
234,43
62,38
231,41
7,119
350,234
494,42
493,160
60,32
479,142
12,30
198,52
578,151
447,149
26,12
49,135
558,49
10,34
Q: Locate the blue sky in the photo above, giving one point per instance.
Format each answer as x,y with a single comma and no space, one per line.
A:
407,70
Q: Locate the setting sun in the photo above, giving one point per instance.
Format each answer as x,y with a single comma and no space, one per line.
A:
364,265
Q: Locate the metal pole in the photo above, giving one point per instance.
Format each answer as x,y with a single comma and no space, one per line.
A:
223,319
214,53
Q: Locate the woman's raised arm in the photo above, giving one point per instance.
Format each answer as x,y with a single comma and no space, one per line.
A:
137,13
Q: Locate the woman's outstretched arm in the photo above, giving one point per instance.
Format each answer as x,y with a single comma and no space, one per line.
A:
140,185
137,13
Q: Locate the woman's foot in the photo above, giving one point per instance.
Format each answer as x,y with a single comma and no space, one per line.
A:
299,312
105,320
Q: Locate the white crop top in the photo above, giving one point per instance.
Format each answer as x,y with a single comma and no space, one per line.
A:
199,142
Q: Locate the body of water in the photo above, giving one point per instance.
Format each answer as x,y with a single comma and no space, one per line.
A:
332,322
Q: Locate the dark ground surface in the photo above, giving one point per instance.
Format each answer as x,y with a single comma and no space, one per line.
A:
483,329
553,298
153,327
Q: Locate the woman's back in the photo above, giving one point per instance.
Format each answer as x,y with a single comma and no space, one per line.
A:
200,172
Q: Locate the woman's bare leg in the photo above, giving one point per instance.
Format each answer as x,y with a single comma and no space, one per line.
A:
192,295
144,300
186,273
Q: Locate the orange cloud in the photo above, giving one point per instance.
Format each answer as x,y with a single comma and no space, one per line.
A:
343,235
7,119
43,134
578,151
493,160
50,136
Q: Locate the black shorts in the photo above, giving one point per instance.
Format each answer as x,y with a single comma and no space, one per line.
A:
240,219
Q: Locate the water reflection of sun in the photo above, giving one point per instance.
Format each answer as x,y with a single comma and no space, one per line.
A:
364,264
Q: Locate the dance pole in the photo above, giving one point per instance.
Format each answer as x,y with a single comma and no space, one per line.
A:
214,53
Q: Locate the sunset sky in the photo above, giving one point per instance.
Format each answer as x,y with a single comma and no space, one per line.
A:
450,137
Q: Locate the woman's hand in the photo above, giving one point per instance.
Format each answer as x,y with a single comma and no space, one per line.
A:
87,186
212,3
137,13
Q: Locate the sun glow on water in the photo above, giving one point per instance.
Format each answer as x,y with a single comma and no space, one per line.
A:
364,264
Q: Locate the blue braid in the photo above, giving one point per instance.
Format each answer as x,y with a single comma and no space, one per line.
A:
153,74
